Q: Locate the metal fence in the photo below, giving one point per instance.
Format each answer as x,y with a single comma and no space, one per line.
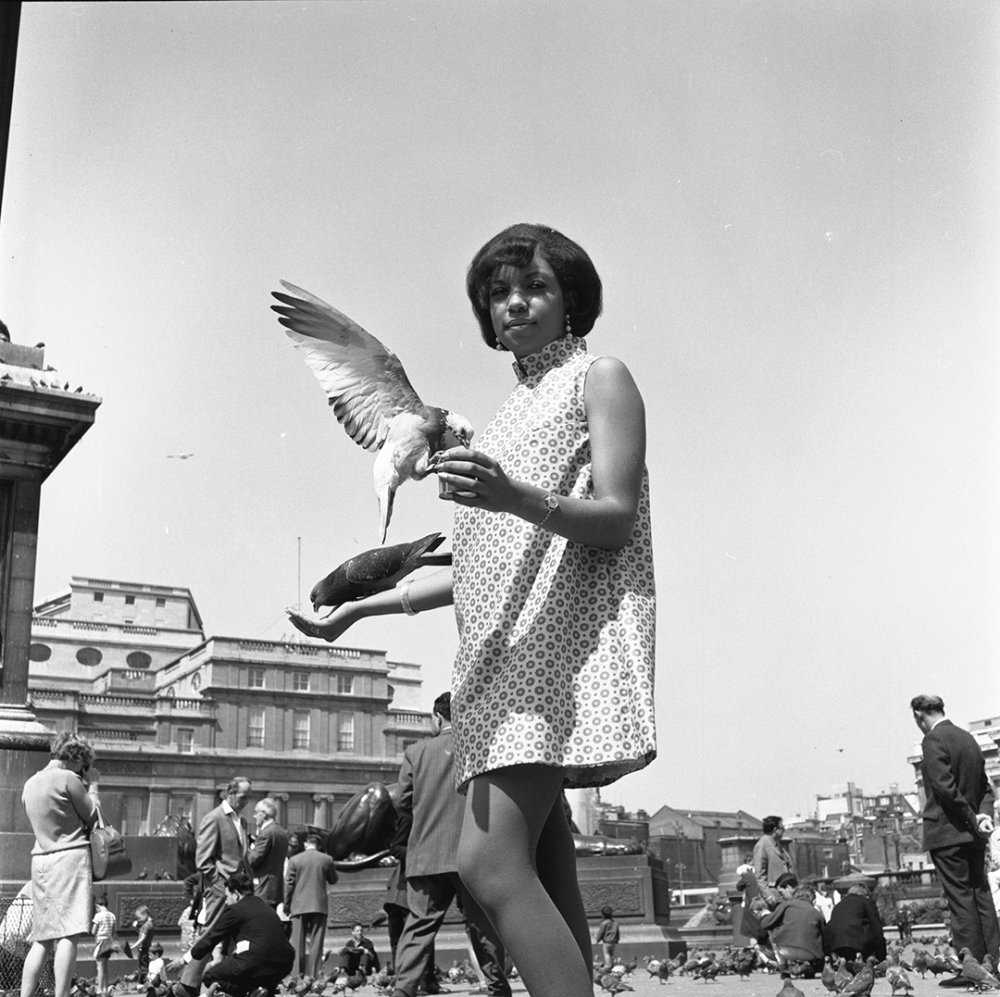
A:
15,927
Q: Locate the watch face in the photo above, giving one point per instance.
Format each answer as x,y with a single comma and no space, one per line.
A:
551,502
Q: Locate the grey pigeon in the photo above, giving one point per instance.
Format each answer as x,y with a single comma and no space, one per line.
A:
375,571
370,393
977,976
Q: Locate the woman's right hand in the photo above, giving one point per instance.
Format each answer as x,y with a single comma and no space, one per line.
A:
328,629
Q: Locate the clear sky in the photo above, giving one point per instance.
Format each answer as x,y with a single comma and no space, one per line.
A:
793,207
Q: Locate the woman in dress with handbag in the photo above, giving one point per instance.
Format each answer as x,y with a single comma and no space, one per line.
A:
61,812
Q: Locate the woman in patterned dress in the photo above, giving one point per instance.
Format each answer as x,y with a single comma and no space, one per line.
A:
552,584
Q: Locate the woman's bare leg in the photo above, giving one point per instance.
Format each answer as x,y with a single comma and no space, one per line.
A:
508,813
33,963
555,859
65,965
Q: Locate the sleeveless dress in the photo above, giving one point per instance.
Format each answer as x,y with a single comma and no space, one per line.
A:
556,639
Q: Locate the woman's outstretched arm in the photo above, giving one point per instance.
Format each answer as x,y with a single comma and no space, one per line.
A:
617,423
422,593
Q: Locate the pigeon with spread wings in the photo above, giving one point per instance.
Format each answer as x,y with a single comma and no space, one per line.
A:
370,393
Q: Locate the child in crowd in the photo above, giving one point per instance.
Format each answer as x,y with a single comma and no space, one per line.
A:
607,936
156,973
143,924
103,930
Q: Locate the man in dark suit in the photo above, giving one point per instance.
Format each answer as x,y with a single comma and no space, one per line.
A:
268,852
252,934
220,852
428,828
957,820
306,880
855,926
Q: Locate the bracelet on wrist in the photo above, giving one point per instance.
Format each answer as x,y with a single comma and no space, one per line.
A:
404,598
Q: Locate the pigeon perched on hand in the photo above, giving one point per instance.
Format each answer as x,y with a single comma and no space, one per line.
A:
370,393
375,571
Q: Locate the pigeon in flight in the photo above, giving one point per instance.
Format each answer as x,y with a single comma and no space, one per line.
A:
370,393
375,571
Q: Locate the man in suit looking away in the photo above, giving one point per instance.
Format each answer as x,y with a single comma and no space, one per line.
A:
268,853
957,820
428,828
307,878
220,852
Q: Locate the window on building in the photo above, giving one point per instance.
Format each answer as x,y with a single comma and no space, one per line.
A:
300,729
130,600
185,740
160,602
138,659
98,597
182,805
89,656
255,728
256,678
345,732
300,681
299,812
345,685
40,652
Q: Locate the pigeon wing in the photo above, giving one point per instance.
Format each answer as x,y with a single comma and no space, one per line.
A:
364,381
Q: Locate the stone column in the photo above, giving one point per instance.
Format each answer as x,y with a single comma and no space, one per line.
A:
39,424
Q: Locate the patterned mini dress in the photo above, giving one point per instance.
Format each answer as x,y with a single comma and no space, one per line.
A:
556,639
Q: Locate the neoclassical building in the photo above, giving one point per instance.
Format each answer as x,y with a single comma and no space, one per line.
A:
174,715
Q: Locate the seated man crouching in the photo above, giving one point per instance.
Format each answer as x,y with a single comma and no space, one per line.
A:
253,935
794,929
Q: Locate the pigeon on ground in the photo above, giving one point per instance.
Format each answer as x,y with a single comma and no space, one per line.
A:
613,983
862,982
370,393
375,571
789,989
975,974
843,976
898,980
828,977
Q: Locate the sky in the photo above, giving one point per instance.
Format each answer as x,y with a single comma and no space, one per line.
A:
794,211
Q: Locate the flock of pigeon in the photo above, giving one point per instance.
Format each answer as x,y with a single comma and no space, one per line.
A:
838,976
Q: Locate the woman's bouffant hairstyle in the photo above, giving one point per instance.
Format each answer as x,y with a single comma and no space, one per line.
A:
516,247
70,747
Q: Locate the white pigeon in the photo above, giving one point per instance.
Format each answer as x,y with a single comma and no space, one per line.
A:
370,393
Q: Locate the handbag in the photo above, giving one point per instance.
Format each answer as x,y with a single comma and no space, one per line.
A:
108,855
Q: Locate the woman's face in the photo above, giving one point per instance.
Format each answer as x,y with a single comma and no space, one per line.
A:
527,307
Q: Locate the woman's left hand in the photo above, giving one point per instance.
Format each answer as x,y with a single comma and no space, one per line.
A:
475,479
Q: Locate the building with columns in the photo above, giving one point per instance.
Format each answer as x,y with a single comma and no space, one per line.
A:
174,715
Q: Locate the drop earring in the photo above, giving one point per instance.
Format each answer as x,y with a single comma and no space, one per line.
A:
568,324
